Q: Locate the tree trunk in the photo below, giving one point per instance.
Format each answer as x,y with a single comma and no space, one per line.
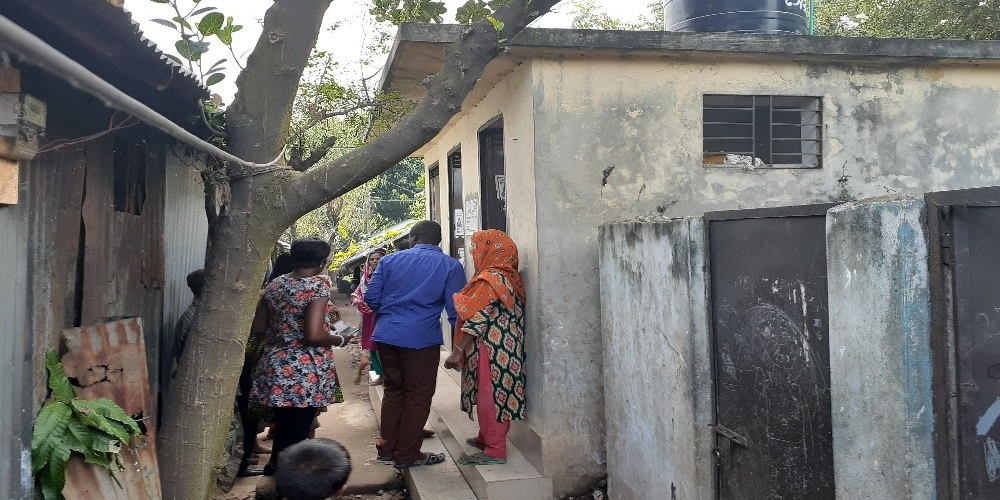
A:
199,408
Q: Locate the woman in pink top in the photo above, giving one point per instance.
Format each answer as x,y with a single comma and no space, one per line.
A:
369,356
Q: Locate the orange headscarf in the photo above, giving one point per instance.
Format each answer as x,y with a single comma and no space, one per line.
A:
493,253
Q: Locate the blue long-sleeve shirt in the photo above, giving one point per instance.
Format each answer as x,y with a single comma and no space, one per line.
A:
408,291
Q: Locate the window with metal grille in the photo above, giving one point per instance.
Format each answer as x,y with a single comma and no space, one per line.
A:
762,131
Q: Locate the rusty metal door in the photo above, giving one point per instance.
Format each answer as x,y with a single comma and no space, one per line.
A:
974,239
771,354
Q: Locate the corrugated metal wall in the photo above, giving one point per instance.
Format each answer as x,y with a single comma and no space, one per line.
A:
15,357
185,234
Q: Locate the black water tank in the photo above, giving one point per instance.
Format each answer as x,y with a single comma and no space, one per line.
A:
782,17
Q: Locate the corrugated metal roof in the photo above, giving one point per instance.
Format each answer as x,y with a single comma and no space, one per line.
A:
184,72
106,40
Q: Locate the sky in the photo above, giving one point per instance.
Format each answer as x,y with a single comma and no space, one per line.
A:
347,42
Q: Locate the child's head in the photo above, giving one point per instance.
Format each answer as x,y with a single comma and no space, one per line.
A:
314,469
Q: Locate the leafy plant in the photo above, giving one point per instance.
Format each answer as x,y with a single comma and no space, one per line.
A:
95,430
196,36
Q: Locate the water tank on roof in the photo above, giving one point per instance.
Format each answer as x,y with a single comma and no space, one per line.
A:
781,17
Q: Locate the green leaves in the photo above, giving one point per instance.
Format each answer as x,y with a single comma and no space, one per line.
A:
476,10
195,35
61,388
408,11
211,23
968,19
191,49
215,78
66,425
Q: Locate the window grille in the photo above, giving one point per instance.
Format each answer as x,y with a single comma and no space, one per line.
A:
762,131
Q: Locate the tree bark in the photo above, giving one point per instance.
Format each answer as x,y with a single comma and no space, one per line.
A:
241,235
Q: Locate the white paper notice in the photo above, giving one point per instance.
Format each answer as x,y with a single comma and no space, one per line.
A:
471,216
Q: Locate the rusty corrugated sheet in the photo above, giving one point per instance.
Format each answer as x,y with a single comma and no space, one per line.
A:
55,183
108,361
123,253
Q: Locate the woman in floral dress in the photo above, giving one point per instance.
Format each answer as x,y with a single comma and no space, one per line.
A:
295,375
489,345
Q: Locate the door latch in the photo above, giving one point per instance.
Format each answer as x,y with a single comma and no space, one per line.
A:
727,438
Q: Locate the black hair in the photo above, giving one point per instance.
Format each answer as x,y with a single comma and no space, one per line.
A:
196,281
282,265
426,231
314,469
309,252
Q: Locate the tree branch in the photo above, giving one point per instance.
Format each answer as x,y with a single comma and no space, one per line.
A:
464,63
317,154
340,112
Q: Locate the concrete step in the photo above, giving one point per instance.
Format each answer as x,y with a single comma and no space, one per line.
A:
440,482
515,479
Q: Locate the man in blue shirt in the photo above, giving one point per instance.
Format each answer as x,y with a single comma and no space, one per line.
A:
408,292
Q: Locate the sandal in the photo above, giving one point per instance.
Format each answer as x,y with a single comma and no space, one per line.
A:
384,460
475,443
480,459
428,433
429,459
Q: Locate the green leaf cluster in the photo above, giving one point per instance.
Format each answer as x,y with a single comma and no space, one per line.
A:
404,11
588,15
958,19
476,10
195,36
95,430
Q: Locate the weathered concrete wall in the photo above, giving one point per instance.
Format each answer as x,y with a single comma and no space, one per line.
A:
887,130
618,137
880,360
511,100
657,375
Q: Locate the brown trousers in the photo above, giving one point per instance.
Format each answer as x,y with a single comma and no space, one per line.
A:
410,377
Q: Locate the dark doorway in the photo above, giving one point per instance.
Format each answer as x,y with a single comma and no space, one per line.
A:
434,193
771,350
455,204
492,177
965,340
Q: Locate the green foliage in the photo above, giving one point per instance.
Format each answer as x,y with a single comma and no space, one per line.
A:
383,240
96,430
475,10
961,19
402,11
590,16
196,34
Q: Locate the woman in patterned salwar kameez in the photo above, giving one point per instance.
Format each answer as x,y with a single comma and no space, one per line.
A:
489,345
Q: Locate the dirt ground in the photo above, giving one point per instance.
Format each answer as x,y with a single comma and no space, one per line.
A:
352,423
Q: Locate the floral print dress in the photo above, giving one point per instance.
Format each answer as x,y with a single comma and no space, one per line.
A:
289,372
501,332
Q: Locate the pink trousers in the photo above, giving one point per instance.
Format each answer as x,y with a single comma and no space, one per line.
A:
491,433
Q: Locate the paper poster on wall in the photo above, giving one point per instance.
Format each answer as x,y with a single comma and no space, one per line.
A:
459,219
471,216
500,181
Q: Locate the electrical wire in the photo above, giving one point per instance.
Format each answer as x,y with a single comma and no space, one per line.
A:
36,52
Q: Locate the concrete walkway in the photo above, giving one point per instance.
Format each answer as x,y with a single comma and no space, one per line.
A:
352,423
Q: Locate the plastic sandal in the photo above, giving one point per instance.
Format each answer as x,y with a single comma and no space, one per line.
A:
474,442
429,459
384,460
480,459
